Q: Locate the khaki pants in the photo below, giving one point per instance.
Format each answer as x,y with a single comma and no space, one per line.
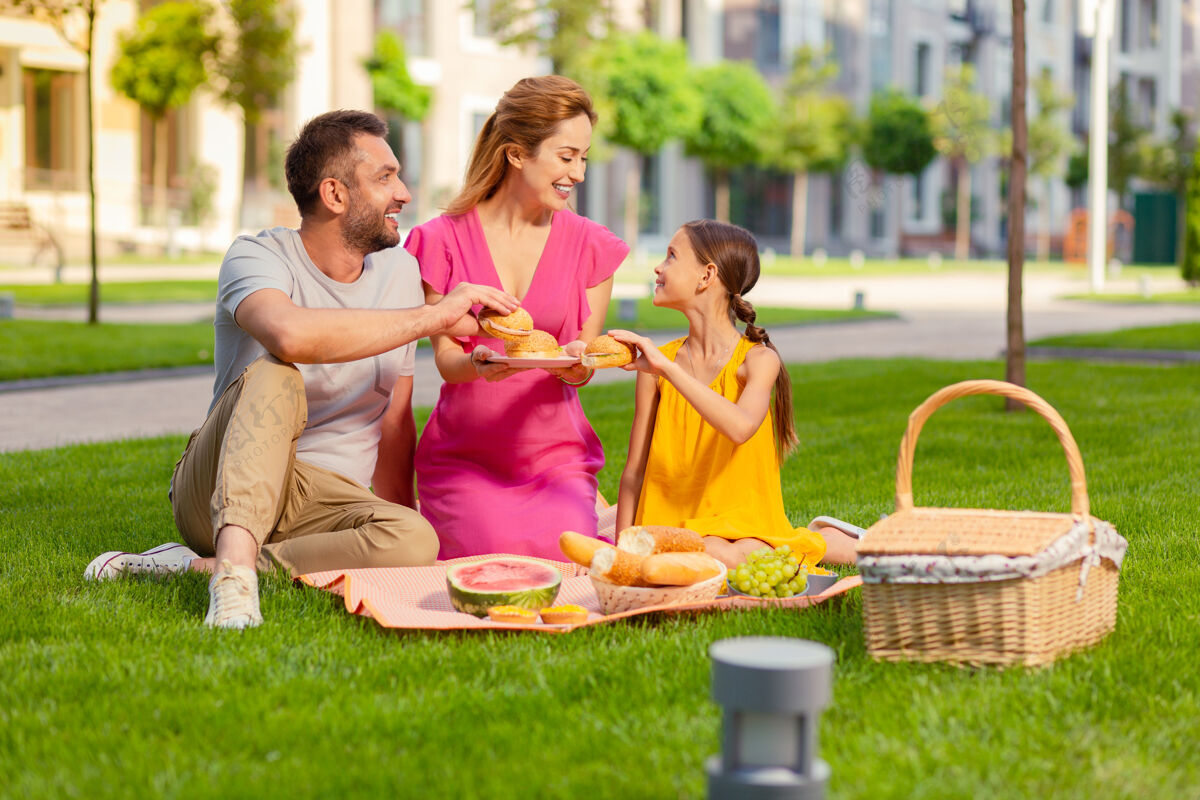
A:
240,468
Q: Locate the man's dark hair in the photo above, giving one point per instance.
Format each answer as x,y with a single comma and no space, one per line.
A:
325,148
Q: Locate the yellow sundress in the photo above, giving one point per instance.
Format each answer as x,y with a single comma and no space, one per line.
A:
698,478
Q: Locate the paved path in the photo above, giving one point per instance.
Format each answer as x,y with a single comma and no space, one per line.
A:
950,317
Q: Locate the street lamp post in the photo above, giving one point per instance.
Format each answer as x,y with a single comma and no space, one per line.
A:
1096,21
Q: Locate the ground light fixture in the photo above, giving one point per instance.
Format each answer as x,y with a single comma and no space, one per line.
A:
772,690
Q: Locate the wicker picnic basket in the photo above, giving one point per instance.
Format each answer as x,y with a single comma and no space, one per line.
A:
974,586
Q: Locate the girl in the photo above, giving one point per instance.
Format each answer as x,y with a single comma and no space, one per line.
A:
703,453
508,460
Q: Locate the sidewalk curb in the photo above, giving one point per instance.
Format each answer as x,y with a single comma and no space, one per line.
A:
59,381
1115,354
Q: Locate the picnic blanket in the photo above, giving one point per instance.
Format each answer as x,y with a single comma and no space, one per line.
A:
416,597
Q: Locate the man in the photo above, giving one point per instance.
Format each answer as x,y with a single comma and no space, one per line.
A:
315,342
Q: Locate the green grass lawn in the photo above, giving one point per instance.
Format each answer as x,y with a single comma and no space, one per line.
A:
1190,295
114,292
117,690
1183,336
40,349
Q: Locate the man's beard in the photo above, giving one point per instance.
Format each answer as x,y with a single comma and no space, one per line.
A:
364,229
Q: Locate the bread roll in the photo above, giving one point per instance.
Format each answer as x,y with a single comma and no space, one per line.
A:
605,351
580,548
512,614
679,569
617,566
645,540
509,327
538,344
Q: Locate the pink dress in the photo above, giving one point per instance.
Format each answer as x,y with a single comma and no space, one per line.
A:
506,467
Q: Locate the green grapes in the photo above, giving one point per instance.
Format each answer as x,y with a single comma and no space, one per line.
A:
770,573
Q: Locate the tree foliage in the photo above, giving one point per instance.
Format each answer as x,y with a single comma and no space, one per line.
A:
814,130
1049,139
166,56
961,123
561,30
260,60
898,138
394,88
736,117
643,87
1190,263
1126,144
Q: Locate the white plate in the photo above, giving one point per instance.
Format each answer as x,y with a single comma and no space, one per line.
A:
532,363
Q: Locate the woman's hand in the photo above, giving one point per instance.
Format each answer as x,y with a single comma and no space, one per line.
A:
649,358
484,368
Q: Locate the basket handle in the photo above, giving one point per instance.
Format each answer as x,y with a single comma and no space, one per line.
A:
908,445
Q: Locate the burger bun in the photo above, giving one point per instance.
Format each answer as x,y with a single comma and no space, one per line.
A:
605,351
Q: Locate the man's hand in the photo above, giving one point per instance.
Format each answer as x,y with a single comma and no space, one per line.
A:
454,310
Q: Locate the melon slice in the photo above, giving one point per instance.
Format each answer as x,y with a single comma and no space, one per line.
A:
509,581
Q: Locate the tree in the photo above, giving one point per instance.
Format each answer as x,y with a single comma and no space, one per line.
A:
162,61
962,134
1126,145
898,137
645,97
75,21
1049,141
811,134
257,64
561,30
738,110
1190,262
1014,362
395,91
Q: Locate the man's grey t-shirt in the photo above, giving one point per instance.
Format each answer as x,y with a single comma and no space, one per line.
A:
346,401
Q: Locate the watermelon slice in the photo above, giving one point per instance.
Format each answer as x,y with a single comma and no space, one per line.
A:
508,581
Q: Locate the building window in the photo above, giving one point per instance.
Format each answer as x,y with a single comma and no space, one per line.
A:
880,31
878,226
1148,36
918,197
483,21
752,31
1048,12
921,67
1126,38
52,130
408,19
1147,102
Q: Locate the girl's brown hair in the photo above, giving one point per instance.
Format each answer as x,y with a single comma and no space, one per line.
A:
734,252
527,115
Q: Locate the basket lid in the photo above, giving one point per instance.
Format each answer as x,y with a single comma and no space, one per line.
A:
964,531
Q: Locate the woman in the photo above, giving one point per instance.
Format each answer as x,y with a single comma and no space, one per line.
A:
508,460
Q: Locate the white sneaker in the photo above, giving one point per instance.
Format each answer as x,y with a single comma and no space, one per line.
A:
166,558
233,598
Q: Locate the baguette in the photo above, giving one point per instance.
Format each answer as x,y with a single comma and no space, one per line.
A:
618,567
580,548
646,540
679,569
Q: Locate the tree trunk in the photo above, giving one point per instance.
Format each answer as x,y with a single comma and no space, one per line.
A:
962,237
1043,242
160,172
94,291
633,196
799,213
722,194
1014,367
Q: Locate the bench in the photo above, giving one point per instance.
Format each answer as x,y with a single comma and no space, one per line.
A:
18,229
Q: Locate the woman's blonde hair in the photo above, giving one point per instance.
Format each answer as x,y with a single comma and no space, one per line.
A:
734,252
527,115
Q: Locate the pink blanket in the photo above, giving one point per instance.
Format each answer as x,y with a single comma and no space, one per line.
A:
416,597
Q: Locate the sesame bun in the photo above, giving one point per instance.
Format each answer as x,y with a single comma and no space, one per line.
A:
535,344
509,327
605,351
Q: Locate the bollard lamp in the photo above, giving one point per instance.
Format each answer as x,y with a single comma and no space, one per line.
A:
772,691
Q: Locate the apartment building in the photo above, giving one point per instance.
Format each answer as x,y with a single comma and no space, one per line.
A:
904,44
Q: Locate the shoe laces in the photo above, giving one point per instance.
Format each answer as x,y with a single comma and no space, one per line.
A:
234,596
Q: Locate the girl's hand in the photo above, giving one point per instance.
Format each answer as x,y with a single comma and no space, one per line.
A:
649,358
485,369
